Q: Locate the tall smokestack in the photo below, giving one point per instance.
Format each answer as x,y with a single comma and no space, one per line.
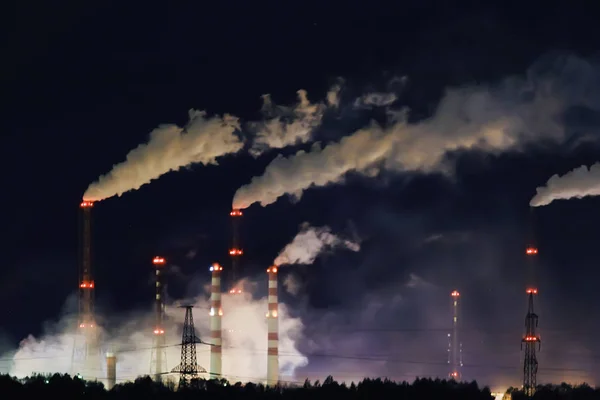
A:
216,314
235,251
455,346
85,350
158,361
111,370
273,330
86,280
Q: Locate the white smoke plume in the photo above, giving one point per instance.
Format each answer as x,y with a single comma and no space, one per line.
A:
292,284
170,148
309,243
244,344
377,99
496,119
579,183
286,126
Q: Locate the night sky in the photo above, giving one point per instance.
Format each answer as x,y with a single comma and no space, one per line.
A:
85,82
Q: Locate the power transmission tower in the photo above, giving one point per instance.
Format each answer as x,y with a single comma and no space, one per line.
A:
188,368
531,341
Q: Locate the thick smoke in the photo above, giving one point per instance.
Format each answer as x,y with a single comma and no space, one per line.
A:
170,148
492,119
579,183
203,140
286,126
244,343
309,243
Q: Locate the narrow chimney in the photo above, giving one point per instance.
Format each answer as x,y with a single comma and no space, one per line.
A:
273,330
216,314
111,370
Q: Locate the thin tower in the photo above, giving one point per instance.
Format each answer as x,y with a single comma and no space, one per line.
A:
216,314
531,340
85,350
454,344
235,251
158,361
273,330
188,367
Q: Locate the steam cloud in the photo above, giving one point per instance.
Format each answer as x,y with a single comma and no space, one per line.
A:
309,243
204,140
492,119
579,183
286,126
375,100
170,148
244,344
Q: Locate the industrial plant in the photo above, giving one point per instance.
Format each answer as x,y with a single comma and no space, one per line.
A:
89,352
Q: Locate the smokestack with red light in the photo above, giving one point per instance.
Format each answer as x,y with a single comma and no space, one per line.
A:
273,330
454,345
531,341
158,361
216,314
88,348
235,251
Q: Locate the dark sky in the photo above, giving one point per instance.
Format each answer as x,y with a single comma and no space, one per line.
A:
85,82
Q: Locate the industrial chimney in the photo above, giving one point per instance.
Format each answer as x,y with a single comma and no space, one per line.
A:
216,314
273,330
111,370
158,359
454,344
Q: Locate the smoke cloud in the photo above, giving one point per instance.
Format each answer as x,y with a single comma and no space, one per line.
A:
375,100
244,343
292,284
494,119
286,126
170,148
309,243
579,183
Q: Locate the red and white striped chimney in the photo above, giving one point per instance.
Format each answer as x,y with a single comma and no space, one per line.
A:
216,312
273,330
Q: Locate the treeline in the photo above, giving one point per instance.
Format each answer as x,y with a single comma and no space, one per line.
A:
63,386
559,392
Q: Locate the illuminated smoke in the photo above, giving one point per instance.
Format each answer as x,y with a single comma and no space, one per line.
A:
170,148
286,126
292,284
579,183
244,343
497,119
309,243
375,100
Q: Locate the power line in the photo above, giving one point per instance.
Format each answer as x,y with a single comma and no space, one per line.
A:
358,357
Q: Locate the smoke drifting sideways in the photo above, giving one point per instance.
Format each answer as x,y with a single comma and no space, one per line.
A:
205,139
578,183
309,243
244,343
286,126
504,117
170,148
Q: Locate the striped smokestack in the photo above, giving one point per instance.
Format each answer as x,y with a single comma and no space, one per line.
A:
273,330
111,370
216,313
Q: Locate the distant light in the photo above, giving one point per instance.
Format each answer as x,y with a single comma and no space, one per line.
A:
158,260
